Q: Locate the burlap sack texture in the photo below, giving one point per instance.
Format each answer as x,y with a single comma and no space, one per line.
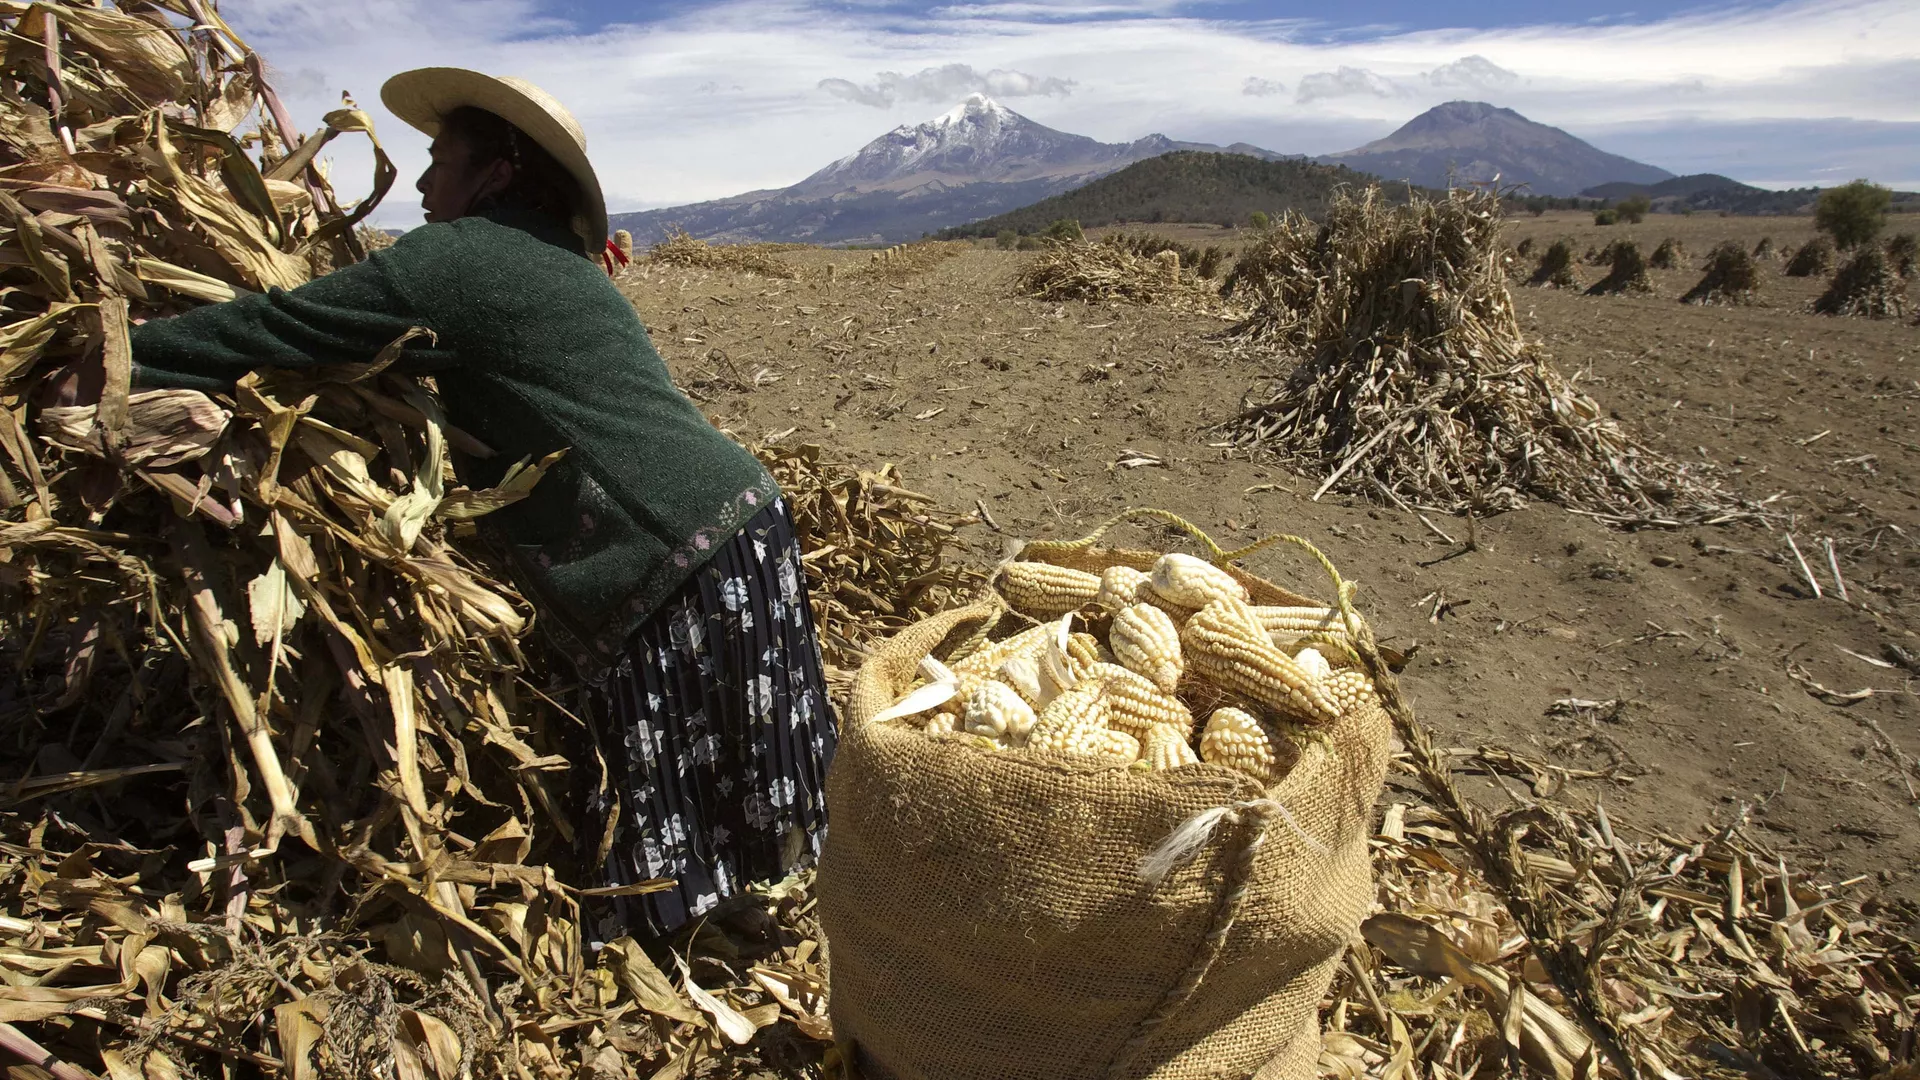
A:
986,915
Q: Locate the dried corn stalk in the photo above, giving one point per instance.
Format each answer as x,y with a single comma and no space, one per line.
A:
1414,385
680,249
284,779
874,550
1083,271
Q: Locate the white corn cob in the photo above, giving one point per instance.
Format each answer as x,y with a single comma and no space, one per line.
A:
1145,640
1045,591
1195,583
995,710
944,722
1314,664
1117,747
1287,625
1235,739
1121,586
1350,689
1223,644
1085,650
1075,722
988,658
1134,704
1166,747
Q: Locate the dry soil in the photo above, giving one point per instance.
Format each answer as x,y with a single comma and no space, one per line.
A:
1653,670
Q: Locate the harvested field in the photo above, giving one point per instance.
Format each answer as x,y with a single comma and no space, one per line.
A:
1052,415
1735,697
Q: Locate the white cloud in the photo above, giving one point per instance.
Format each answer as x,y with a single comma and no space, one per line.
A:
660,134
1344,82
944,85
1471,72
1258,87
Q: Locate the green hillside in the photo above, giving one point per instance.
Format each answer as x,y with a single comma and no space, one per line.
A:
1186,185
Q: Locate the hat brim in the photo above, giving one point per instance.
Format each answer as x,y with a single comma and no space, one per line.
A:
424,96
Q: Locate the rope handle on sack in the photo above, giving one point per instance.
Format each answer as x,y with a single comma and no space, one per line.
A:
1181,846
1186,841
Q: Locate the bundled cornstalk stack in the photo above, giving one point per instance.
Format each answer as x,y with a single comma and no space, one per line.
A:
1668,255
1731,277
681,249
1414,384
1903,251
1764,249
1627,271
372,239
285,780
1555,269
1699,958
1813,257
1203,261
1864,286
905,260
1075,270
874,551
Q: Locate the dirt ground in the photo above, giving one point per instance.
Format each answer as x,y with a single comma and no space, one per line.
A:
1653,670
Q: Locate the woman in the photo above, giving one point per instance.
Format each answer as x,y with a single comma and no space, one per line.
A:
658,553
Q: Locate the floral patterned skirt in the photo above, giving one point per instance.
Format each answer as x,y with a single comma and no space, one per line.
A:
718,731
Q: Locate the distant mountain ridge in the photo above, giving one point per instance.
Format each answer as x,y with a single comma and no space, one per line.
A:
979,159
1464,141
1679,187
1186,185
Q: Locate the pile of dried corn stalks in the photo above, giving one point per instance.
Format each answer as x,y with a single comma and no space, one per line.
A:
286,784
1414,384
681,249
1548,937
875,551
1077,270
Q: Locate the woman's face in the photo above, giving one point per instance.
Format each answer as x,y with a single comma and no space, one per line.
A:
452,184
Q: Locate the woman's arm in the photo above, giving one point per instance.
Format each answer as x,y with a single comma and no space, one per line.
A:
345,317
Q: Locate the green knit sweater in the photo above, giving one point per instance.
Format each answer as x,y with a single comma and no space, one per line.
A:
536,351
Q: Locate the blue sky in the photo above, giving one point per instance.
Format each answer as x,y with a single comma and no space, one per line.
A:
1320,20
690,101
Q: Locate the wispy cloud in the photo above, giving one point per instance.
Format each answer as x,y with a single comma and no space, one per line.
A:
1471,72
729,96
1344,82
945,84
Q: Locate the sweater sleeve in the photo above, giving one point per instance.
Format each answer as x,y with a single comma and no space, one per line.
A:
345,317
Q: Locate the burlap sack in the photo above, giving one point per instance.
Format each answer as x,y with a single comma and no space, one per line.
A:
987,919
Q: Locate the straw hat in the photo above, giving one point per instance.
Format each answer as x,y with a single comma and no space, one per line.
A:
423,96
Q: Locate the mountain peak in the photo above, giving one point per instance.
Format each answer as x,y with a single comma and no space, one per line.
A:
1463,141
976,108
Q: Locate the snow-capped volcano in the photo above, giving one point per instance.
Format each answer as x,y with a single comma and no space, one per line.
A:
978,159
978,140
